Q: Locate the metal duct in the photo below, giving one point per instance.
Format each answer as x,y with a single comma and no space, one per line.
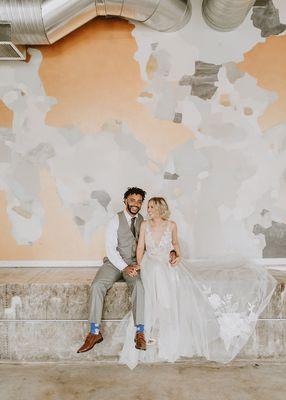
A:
46,21
226,15
8,51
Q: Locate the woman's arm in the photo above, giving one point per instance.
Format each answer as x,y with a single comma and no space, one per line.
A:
175,243
141,243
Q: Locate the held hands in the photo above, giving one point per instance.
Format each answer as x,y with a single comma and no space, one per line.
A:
132,269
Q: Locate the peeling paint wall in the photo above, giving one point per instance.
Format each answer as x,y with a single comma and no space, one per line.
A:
197,116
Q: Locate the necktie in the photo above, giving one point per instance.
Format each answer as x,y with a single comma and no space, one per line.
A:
132,226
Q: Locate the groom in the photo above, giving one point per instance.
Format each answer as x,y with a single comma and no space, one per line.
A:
121,242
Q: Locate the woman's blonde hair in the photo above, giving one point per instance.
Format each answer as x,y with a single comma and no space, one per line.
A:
161,205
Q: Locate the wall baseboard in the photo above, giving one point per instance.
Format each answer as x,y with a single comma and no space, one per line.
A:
271,263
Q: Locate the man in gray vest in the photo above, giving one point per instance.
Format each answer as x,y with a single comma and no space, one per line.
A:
121,241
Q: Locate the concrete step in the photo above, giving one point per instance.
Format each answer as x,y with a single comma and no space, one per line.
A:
59,341
43,313
63,293
55,293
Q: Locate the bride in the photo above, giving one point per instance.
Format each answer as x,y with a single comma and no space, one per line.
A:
206,309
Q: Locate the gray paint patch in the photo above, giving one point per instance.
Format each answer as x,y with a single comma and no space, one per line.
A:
171,177
178,118
203,80
102,197
154,46
79,221
265,17
88,179
275,239
186,80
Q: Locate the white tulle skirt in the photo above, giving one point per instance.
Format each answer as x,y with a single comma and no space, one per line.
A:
206,309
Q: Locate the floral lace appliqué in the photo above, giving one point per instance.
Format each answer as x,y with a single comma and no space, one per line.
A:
163,247
233,324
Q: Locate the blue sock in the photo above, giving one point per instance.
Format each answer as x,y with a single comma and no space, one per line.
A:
94,328
139,328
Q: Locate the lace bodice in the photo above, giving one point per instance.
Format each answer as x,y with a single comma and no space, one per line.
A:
164,246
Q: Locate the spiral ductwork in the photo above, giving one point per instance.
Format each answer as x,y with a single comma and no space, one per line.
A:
225,15
46,21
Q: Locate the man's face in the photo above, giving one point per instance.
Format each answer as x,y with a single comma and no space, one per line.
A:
133,203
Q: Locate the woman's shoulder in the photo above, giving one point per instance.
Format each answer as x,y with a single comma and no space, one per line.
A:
172,224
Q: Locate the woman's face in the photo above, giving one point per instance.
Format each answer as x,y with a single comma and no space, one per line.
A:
152,211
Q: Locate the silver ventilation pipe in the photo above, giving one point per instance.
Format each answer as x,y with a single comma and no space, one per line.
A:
225,15
8,50
46,21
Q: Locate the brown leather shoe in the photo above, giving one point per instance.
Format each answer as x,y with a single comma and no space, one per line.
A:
140,342
90,341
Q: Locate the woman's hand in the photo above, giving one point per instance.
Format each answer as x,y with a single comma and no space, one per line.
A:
131,270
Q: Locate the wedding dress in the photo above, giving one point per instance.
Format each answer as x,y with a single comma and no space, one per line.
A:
206,309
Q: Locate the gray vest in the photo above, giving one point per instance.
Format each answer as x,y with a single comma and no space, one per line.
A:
126,242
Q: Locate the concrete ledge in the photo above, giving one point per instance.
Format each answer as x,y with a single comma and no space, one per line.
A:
63,294
53,341
58,301
59,341
43,315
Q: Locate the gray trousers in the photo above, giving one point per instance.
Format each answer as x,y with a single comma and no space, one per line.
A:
104,279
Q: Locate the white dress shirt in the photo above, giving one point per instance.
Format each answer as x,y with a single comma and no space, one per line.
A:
111,241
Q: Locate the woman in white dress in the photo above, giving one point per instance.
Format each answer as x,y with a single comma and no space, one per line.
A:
192,309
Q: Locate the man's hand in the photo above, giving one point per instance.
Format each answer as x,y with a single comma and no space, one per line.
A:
174,259
173,256
131,270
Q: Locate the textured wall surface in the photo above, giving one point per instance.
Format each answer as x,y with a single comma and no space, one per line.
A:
197,116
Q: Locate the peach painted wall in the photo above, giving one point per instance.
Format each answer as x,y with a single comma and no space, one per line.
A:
95,82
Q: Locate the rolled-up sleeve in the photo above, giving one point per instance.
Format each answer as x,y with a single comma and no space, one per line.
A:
111,242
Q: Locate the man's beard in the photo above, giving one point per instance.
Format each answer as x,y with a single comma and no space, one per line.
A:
131,212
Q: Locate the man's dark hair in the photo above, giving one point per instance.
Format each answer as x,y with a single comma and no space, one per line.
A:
134,190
